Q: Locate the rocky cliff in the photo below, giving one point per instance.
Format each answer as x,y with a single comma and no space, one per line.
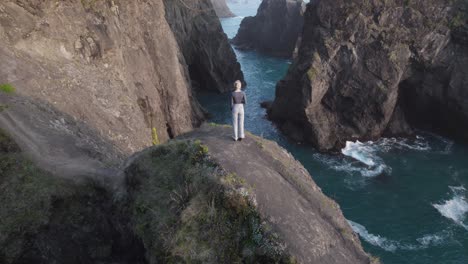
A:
366,69
187,201
211,61
275,29
222,9
116,65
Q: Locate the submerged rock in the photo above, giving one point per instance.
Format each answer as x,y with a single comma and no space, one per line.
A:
275,29
381,68
222,9
212,64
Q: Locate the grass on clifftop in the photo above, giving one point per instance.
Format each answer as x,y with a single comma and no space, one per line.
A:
25,198
40,211
187,210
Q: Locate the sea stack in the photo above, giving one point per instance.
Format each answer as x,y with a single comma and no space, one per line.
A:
370,69
274,30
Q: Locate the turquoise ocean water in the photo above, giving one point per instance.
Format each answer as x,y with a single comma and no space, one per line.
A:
407,199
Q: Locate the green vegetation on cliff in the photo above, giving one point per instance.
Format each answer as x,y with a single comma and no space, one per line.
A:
187,210
25,195
47,219
7,88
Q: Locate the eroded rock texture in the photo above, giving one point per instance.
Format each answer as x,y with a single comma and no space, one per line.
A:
211,61
274,30
369,68
115,65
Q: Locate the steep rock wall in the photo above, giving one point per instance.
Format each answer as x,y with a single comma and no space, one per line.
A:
115,65
371,68
211,61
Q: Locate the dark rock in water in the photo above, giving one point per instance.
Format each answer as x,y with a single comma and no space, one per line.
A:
274,30
266,104
209,56
368,69
222,9
293,130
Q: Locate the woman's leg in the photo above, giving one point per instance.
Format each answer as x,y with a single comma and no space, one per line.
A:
241,121
234,121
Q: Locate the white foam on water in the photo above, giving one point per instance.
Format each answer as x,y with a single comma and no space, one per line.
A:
390,245
388,144
376,240
433,239
366,153
455,208
363,158
360,151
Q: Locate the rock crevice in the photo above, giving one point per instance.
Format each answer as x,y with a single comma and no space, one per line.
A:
212,64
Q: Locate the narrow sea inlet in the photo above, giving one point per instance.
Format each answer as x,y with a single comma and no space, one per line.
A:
407,199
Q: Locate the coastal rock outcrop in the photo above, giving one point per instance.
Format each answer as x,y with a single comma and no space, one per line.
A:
184,201
367,69
212,63
275,29
309,225
222,9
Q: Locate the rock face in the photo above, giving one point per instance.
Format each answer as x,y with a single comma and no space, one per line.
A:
310,225
367,69
274,30
222,9
115,65
211,61
186,201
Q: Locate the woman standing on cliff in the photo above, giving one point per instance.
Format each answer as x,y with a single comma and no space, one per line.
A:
238,100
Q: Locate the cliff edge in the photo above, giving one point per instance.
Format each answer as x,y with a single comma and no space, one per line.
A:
199,198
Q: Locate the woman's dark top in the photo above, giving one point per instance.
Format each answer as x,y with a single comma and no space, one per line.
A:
238,98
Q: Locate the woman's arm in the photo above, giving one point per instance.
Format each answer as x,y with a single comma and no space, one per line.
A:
244,99
232,101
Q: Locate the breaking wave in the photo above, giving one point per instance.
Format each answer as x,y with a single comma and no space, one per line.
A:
390,245
456,208
365,158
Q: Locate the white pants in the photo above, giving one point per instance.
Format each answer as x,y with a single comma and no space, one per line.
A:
238,120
